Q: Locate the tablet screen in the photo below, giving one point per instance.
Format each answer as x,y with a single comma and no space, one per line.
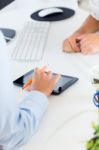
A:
64,82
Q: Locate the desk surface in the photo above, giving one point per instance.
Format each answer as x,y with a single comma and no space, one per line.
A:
68,119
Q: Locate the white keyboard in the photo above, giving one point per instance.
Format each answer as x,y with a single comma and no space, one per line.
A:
31,42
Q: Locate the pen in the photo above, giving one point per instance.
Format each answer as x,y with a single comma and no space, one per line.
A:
27,83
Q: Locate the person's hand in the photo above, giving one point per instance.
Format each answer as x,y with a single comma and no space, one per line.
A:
89,43
70,44
43,82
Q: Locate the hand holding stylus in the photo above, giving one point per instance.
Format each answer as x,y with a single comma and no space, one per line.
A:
28,83
42,81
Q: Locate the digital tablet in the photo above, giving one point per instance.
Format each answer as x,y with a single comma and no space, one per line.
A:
64,82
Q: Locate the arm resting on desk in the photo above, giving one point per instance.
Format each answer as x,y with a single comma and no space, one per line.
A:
17,122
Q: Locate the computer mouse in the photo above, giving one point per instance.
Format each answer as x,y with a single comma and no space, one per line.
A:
49,11
53,14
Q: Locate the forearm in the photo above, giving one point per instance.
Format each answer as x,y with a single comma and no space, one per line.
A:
17,125
90,25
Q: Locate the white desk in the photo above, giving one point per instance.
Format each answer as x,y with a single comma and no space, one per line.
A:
56,131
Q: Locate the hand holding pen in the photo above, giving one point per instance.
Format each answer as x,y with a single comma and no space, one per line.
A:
42,81
27,84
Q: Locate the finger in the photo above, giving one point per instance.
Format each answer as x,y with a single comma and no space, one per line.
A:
85,50
79,43
67,47
71,43
43,68
75,46
81,37
57,78
84,39
85,45
49,73
28,88
42,72
36,71
36,74
84,42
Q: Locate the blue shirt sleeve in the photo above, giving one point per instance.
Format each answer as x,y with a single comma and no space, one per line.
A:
17,122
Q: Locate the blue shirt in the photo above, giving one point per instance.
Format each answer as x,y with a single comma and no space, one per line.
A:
17,122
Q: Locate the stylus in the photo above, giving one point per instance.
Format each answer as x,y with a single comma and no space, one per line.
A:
27,84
